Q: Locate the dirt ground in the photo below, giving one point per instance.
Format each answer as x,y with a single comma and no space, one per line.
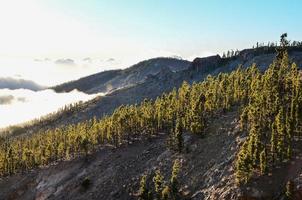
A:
207,170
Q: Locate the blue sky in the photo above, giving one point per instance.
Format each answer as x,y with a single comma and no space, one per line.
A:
191,26
132,30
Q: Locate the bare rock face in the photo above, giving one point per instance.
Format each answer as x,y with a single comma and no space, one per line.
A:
247,54
206,64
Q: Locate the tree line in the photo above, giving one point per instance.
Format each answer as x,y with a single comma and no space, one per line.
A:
272,116
262,47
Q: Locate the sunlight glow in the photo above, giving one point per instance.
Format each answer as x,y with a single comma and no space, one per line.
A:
18,106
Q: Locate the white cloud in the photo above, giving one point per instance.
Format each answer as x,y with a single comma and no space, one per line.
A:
18,106
12,83
49,72
66,61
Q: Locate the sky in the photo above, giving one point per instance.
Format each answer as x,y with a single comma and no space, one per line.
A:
48,42
53,41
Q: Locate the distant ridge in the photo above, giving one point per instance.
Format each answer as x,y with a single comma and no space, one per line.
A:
108,81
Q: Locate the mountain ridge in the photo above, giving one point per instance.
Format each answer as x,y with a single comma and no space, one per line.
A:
108,81
154,85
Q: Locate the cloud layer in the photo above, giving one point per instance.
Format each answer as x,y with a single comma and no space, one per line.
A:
12,83
63,61
22,105
49,71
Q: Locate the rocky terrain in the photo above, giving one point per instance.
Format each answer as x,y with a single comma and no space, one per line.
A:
206,171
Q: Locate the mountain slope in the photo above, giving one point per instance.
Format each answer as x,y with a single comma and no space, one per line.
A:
115,173
207,162
165,80
86,83
115,79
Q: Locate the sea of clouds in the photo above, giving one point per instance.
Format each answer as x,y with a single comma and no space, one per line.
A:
21,105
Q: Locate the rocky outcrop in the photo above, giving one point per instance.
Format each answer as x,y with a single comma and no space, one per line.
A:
206,64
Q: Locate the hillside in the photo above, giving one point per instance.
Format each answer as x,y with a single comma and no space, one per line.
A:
115,173
151,100
234,135
207,170
151,86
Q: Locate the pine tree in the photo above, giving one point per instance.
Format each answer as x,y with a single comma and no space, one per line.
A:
144,193
178,135
85,146
174,178
243,119
283,46
289,192
273,141
263,162
166,193
197,121
243,165
280,127
158,183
